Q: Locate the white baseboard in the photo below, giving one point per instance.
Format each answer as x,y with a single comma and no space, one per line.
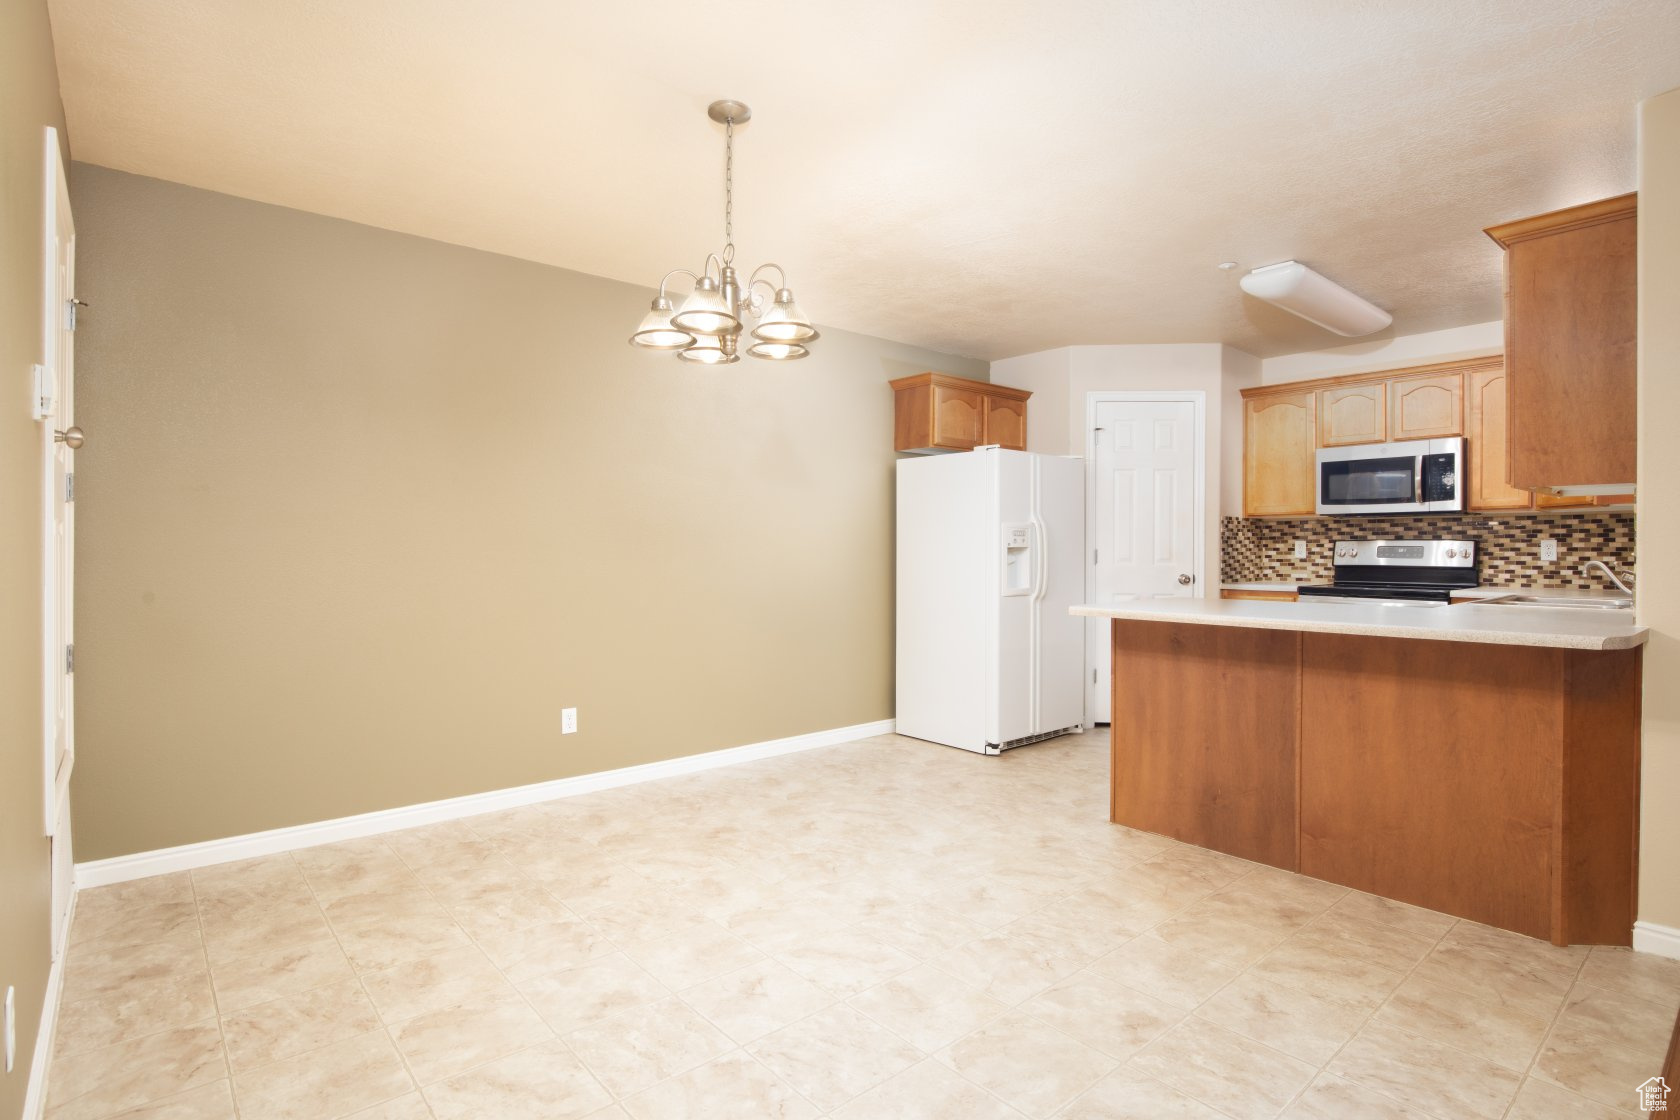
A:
1649,937
120,869
46,1032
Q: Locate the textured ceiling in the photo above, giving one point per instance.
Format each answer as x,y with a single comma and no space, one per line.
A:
986,177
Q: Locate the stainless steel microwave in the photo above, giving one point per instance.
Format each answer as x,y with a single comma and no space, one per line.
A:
1412,476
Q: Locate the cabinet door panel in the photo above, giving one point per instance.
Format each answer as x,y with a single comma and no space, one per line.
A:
1006,423
958,417
1280,437
1353,414
1426,407
1571,326
1486,444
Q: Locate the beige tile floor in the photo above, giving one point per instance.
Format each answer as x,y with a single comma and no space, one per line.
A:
886,930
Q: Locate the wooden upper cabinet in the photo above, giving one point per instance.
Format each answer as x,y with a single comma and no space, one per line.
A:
1352,414
1006,422
1426,407
959,417
1280,441
1485,391
1571,310
938,412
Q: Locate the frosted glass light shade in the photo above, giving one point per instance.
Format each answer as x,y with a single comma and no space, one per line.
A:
706,312
708,352
656,331
784,322
777,351
1319,300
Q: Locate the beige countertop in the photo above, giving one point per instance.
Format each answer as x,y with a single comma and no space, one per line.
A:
1559,627
1463,593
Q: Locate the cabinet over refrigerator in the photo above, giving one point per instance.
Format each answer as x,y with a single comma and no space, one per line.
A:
991,550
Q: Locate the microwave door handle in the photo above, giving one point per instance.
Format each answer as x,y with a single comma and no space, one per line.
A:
1417,480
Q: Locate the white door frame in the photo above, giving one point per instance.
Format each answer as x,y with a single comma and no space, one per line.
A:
55,408
1194,397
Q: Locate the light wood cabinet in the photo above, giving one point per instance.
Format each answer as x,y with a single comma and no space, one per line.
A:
938,412
1006,422
1259,596
1496,783
1426,407
1485,443
1280,438
1571,314
1352,414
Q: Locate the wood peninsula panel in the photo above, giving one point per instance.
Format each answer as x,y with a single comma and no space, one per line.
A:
1595,857
1429,774
1203,736
1497,783
1426,407
1261,596
1571,321
1280,441
1352,414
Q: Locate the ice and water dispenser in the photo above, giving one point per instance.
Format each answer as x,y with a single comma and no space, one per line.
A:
1017,560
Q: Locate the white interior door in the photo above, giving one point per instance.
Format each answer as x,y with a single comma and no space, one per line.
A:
1147,463
56,405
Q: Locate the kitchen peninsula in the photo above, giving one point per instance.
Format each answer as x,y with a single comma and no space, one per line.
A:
1477,759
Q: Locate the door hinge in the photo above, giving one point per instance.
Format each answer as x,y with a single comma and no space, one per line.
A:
69,659
1093,556
70,307
69,487
1093,676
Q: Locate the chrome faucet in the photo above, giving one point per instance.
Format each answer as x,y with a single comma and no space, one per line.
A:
1627,573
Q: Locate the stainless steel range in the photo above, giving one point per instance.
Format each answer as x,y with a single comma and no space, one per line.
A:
1398,573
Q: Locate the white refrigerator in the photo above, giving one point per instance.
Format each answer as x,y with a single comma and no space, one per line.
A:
991,547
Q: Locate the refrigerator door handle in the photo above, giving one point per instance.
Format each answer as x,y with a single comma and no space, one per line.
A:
1041,545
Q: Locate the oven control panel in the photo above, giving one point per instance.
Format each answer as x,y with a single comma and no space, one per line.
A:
1407,554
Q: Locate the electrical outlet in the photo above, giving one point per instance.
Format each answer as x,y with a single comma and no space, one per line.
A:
1548,551
1300,550
568,720
11,1027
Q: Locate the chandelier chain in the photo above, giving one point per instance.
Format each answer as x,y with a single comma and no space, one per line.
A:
729,190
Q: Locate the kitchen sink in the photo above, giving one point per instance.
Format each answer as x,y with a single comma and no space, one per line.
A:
1560,601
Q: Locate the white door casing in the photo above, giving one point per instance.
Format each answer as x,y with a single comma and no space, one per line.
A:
56,403
1147,501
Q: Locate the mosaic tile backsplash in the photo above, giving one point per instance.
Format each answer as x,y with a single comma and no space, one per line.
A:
1263,550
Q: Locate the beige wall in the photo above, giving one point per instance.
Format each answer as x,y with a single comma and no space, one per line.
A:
28,103
361,512
1659,504
1387,353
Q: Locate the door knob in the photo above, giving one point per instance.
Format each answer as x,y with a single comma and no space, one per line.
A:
1184,580
70,437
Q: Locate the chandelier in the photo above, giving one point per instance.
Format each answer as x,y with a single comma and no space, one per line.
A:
708,328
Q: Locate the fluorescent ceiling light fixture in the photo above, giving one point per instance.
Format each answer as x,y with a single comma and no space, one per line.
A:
707,329
1301,291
